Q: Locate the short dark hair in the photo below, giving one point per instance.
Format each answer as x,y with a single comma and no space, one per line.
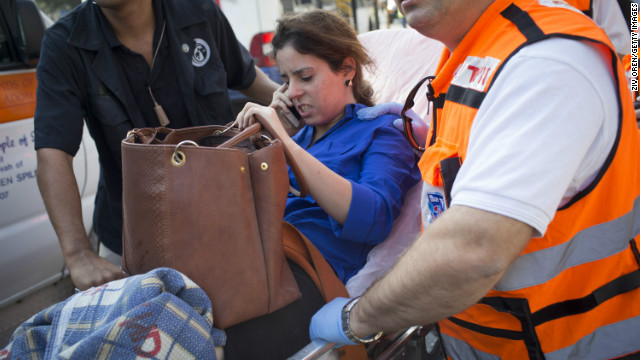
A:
328,36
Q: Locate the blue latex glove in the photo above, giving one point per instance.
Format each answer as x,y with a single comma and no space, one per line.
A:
326,324
374,112
420,127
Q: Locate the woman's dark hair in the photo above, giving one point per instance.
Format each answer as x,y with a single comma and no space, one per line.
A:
328,36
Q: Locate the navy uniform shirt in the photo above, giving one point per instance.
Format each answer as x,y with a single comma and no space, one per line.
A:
161,78
81,77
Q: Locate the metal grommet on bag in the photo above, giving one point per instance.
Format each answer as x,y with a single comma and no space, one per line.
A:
179,158
242,169
264,166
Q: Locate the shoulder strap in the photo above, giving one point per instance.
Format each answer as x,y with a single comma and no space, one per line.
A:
301,251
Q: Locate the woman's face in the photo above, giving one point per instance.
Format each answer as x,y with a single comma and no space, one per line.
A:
318,93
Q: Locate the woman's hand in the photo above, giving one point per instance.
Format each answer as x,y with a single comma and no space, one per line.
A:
281,100
283,104
329,189
267,116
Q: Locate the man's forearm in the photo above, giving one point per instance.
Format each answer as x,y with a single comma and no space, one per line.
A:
262,88
451,266
59,190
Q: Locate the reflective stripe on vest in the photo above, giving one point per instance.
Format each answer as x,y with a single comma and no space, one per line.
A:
597,345
540,266
574,292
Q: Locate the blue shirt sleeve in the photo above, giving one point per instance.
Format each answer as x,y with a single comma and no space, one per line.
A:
388,171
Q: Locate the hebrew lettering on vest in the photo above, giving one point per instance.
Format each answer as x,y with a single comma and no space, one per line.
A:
475,72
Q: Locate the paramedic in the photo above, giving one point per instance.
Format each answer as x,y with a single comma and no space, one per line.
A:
534,150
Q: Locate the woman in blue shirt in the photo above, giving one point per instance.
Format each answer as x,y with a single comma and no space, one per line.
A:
358,171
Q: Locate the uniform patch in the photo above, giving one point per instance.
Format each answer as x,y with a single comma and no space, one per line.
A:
436,203
201,53
474,72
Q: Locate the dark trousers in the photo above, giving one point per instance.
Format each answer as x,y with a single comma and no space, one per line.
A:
278,335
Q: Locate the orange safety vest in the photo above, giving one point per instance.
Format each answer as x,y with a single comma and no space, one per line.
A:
575,292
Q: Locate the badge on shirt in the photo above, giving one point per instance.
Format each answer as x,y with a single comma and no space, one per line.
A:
433,203
436,204
201,53
474,72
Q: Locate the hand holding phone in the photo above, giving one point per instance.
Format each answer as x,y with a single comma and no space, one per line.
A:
293,117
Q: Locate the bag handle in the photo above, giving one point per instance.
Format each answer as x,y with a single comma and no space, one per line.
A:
245,134
148,135
255,128
302,183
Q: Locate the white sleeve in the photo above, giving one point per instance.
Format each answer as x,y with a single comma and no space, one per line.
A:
610,18
541,134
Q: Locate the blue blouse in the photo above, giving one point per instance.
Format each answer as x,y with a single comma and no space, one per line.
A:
381,166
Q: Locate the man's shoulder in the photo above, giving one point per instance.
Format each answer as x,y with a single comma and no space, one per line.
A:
65,25
573,53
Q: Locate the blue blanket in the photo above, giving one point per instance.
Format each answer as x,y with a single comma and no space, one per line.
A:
158,315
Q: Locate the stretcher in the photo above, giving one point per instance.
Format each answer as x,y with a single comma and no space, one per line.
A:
415,343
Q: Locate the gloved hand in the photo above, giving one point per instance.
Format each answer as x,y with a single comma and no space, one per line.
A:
374,112
326,324
420,127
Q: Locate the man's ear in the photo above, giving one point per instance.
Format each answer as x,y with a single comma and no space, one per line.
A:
349,67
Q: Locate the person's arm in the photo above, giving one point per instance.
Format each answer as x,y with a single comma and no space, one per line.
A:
330,190
59,191
467,250
262,88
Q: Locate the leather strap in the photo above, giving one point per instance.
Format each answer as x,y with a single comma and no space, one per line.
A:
301,251
302,183
245,134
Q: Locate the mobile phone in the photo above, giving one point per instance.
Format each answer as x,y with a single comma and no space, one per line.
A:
293,117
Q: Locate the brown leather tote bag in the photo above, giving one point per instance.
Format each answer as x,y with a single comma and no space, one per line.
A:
208,201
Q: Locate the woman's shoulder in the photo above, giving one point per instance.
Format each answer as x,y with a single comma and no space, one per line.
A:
381,130
380,121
